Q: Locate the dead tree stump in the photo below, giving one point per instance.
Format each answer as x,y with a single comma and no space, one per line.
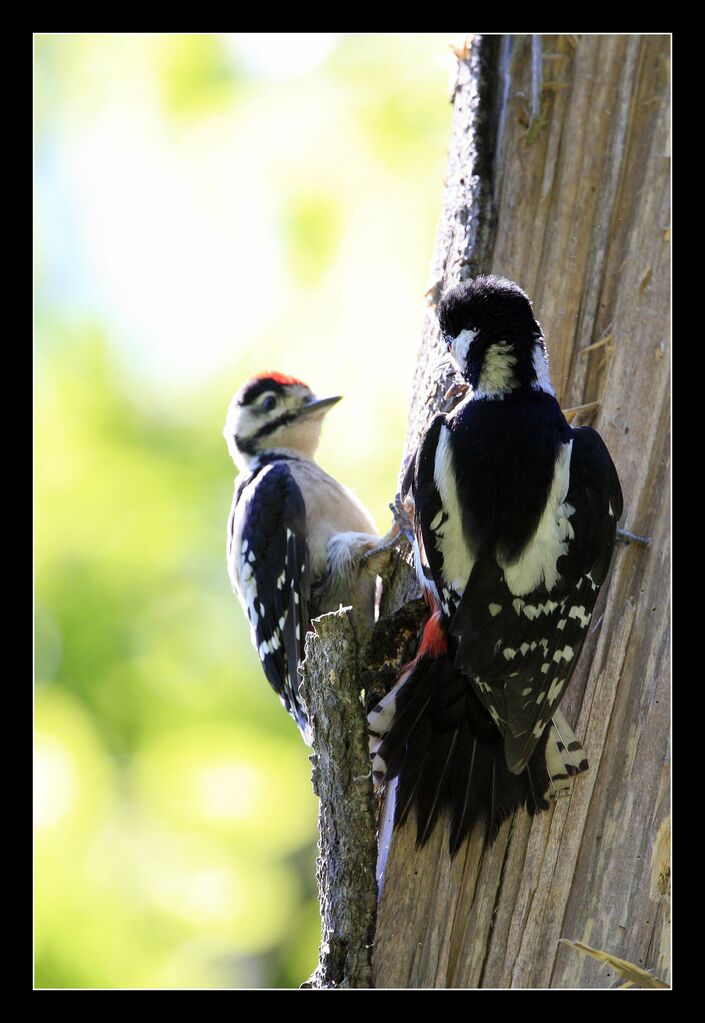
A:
558,178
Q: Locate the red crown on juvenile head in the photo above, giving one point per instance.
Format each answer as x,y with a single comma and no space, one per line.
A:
280,378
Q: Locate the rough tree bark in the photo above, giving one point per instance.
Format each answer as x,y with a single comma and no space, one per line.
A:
558,177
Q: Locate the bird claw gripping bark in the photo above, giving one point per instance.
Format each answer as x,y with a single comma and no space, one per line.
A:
401,513
378,558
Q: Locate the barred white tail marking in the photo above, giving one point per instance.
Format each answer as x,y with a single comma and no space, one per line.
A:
565,757
379,721
574,756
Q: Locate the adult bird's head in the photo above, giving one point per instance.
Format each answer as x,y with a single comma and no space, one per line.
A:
274,412
493,337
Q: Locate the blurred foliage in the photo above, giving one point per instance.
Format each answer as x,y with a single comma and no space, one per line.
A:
206,207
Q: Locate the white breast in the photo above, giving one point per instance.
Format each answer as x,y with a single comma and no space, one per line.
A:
330,508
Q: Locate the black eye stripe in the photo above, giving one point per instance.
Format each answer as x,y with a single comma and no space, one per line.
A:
282,420
251,392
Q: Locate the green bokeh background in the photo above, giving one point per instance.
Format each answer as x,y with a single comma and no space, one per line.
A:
205,207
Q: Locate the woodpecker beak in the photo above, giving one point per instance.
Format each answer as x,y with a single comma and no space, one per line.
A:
318,405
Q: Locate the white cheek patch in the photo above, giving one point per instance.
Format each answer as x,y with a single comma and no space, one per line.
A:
459,347
543,380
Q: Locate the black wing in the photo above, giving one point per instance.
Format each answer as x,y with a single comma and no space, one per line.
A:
520,652
273,579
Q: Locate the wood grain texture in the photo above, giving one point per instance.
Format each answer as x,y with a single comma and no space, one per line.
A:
341,780
574,206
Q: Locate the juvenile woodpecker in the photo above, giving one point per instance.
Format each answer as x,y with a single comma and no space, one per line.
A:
514,518
296,537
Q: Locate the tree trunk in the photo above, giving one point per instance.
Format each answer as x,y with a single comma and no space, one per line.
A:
558,178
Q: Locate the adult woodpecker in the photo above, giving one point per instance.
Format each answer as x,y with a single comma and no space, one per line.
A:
296,537
514,519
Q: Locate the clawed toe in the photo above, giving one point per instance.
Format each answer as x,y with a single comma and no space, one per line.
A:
402,519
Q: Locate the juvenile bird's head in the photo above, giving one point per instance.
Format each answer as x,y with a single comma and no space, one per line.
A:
274,412
495,341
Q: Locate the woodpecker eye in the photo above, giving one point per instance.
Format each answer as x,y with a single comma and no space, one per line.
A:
268,403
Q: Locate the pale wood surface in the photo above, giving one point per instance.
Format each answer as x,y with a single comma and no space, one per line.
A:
574,206
341,779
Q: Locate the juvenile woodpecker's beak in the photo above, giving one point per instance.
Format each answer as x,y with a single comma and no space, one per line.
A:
318,405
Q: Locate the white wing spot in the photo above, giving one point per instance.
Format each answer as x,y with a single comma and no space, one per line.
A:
563,655
525,692
509,653
495,609
579,612
555,690
517,605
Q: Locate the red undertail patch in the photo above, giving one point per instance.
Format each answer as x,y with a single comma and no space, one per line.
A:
434,641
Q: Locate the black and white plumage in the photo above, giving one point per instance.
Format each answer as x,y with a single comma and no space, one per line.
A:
514,516
295,535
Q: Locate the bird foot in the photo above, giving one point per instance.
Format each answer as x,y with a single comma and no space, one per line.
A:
377,558
401,513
